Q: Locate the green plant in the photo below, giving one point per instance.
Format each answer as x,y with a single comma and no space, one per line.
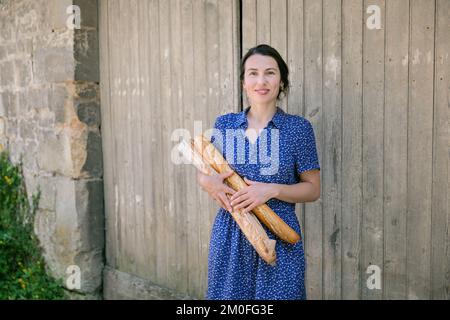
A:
22,268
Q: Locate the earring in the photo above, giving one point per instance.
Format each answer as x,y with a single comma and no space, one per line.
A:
281,94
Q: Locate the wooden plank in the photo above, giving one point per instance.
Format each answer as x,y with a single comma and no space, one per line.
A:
135,110
295,56
171,111
440,267
157,162
212,60
263,20
192,214
278,31
249,27
352,15
166,213
200,100
420,138
295,61
227,59
148,233
395,149
372,161
331,159
178,256
118,120
129,164
107,136
119,79
256,15
279,27
236,49
213,100
147,262
249,33
313,112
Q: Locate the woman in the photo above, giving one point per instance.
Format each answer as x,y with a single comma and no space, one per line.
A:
235,271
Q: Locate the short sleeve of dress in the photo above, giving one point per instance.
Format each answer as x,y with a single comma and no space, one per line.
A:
217,134
306,157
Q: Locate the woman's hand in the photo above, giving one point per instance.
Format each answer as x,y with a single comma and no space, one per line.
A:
216,188
255,194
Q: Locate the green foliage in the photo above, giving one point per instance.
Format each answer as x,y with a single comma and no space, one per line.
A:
22,267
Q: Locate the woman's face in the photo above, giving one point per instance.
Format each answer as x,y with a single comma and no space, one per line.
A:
262,79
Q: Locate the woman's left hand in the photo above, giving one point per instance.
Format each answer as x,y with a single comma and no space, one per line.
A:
255,194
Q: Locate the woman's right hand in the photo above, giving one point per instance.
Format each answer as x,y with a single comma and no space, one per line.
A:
216,188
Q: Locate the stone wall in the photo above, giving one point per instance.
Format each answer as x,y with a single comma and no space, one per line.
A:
50,118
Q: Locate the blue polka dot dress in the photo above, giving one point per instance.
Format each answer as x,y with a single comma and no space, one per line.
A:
283,150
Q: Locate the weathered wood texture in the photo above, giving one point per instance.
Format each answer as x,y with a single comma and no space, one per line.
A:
164,65
378,99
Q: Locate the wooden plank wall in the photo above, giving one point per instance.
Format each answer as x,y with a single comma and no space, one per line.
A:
164,65
378,100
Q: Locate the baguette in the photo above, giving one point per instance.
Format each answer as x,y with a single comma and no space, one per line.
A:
248,223
266,215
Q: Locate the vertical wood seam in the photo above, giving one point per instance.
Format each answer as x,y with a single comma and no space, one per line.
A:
361,209
407,153
432,150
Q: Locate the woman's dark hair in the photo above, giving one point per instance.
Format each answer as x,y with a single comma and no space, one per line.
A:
266,50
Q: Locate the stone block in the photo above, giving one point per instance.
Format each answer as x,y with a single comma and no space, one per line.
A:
53,65
3,143
86,53
87,90
62,39
58,17
47,186
57,99
7,24
24,47
7,72
89,13
10,104
56,12
11,128
79,230
3,52
89,197
45,118
94,160
16,151
29,18
89,113
44,227
53,154
71,295
32,98
78,136
38,97
23,72
2,127
29,156
27,129
91,266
